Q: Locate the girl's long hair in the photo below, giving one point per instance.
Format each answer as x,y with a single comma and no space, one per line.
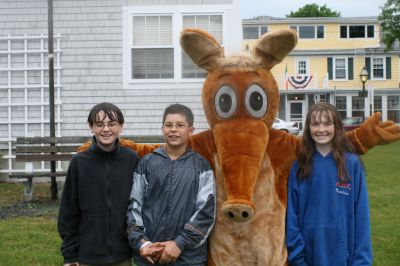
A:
340,143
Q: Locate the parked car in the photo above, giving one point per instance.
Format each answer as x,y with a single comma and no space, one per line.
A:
290,127
350,123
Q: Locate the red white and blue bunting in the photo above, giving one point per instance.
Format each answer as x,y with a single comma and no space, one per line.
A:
299,82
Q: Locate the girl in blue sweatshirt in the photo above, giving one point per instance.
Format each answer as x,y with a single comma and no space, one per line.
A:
328,215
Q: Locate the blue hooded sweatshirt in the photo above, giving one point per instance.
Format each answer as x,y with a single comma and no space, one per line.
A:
328,223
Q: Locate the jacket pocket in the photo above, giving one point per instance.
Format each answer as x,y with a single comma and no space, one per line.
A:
325,246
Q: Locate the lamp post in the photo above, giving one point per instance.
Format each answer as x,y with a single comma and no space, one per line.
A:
363,93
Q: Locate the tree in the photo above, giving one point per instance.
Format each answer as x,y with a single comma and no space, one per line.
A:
390,21
313,10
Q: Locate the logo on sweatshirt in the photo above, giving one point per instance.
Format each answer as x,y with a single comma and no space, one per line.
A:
344,188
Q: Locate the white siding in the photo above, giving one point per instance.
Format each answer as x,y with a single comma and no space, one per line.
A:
92,60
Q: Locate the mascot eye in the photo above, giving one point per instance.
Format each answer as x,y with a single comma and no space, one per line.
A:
256,101
225,102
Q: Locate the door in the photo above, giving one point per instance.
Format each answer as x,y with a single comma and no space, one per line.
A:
296,112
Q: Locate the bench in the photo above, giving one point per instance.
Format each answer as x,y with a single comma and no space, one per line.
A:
48,149
44,149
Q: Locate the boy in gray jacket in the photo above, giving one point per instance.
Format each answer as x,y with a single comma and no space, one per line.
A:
172,202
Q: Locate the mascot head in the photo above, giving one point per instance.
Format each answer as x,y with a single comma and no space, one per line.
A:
240,99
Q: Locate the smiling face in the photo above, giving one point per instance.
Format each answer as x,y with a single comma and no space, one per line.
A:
106,131
176,131
322,131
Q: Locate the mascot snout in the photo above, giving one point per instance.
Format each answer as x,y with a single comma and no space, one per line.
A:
251,140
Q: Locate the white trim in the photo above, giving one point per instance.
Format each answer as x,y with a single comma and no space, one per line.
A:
26,103
334,68
177,15
307,60
371,70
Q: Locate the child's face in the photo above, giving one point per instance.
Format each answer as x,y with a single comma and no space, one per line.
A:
106,131
322,130
176,131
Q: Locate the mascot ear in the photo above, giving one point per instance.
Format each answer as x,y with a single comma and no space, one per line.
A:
202,48
273,47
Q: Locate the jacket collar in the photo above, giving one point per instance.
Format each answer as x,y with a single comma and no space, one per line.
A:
162,151
99,151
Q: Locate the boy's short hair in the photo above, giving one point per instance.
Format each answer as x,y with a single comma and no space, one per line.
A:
179,109
111,110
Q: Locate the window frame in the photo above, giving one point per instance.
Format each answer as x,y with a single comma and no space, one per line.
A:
316,26
177,27
260,31
343,100
356,25
371,70
346,68
307,66
198,70
155,47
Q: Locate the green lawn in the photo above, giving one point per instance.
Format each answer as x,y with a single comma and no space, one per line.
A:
383,176
34,240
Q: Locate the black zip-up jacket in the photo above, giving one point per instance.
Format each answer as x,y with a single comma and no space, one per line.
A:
92,221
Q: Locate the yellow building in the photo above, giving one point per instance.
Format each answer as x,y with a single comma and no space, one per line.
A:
326,66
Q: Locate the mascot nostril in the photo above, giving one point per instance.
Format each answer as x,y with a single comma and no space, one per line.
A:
237,212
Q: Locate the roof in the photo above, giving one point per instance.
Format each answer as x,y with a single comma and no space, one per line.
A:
313,20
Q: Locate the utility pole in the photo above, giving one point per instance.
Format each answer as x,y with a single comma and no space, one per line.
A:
54,189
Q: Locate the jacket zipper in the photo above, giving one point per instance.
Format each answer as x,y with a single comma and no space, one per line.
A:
109,208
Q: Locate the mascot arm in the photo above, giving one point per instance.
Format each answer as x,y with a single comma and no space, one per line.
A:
282,150
203,143
140,148
373,132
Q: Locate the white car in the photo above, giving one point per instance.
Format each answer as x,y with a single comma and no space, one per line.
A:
290,127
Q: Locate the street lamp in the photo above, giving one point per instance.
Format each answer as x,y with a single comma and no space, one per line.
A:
363,93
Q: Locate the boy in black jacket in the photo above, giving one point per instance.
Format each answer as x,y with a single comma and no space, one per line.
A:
92,221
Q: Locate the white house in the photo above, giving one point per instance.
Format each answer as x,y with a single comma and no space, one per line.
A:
122,51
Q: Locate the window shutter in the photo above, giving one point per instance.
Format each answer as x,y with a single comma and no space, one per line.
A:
368,66
388,67
350,68
330,68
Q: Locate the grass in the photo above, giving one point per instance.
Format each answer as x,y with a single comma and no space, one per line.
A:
26,240
383,178
29,241
35,241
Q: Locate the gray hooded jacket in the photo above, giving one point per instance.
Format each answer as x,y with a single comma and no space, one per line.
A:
172,200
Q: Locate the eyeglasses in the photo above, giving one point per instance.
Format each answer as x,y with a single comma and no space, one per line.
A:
178,126
110,125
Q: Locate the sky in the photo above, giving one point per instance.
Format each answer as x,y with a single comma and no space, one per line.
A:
280,8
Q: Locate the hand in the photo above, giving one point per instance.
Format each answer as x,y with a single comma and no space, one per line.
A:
152,252
171,252
374,132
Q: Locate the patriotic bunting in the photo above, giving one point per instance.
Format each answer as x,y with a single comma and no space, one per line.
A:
299,82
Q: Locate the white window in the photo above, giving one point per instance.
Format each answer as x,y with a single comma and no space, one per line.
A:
309,31
340,68
378,67
152,47
210,23
302,66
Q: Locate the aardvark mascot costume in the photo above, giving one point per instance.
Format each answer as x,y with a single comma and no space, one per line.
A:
251,160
